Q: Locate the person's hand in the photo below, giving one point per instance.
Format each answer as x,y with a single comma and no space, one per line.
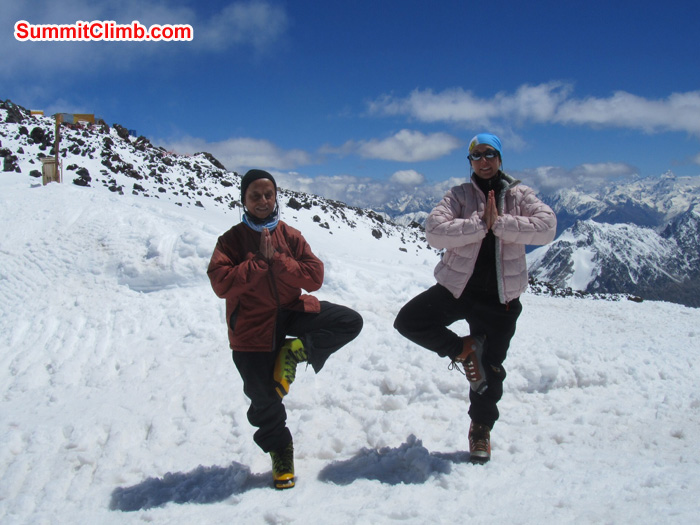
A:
491,211
266,248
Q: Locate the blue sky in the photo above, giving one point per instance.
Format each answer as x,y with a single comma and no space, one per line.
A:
375,97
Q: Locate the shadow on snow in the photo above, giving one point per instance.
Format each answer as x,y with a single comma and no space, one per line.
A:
410,463
202,485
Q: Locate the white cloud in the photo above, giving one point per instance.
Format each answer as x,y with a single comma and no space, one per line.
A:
240,154
407,178
256,24
587,176
356,191
696,159
678,112
456,105
453,105
405,146
548,103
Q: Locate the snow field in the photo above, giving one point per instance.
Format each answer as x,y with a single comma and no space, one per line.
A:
121,404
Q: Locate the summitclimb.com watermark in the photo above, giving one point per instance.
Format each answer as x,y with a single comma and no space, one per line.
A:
100,30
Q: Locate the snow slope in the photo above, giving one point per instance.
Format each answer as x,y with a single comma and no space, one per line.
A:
121,404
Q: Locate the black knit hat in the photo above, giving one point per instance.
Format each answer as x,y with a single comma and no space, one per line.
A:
251,177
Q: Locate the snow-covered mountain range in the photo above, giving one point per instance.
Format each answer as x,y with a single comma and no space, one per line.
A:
638,237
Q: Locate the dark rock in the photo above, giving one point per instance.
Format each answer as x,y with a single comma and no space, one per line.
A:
38,135
83,178
122,132
15,114
211,159
294,204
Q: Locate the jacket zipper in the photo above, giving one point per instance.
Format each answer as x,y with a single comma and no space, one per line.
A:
275,292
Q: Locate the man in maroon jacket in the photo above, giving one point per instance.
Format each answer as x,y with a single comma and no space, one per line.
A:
260,267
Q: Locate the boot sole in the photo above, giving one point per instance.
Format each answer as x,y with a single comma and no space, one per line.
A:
478,460
281,484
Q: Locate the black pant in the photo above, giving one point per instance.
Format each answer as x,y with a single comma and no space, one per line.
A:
322,334
425,320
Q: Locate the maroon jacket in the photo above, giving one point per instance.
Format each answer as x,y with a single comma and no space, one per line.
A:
255,289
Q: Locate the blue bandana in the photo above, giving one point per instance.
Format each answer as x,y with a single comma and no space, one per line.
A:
486,138
270,222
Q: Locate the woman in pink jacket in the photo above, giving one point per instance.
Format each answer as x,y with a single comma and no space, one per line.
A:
483,226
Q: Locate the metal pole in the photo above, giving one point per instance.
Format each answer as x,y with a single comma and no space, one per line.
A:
56,145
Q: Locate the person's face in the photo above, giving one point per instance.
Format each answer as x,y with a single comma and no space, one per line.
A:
260,198
485,167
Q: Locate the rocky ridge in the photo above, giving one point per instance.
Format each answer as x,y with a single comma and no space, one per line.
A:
106,156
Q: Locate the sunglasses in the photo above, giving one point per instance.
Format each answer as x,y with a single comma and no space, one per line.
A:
488,154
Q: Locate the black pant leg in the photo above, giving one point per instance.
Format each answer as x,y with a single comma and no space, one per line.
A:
497,322
266,412
425,318
322,333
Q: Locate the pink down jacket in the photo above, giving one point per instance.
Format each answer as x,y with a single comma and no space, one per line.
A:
455,225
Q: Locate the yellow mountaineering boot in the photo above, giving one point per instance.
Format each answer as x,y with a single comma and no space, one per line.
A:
283,467
291,354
